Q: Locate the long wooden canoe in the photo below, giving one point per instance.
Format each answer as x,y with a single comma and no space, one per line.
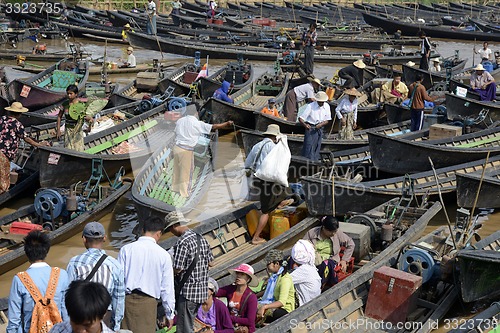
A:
399,156
366,195
460,108
468,185
240,74
48,87
247,100
142,134
13,255
152,190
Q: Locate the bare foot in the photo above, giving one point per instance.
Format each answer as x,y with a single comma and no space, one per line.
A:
258,240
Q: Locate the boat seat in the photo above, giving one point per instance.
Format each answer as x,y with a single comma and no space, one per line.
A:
44,83
241,249
62,79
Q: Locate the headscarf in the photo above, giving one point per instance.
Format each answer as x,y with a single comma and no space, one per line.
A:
303,252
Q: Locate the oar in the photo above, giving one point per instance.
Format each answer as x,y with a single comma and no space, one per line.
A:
442,204
477,195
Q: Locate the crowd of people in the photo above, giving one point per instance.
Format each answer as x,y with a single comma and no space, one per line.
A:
148,287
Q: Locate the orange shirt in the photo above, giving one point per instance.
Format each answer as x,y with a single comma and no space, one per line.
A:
235,304
272,112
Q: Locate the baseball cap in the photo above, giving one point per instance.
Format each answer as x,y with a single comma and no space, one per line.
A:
94,230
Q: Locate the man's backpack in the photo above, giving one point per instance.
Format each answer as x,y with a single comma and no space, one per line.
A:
45,312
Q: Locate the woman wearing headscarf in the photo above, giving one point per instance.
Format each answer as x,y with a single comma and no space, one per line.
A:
306,279
279,297
241,300
213,313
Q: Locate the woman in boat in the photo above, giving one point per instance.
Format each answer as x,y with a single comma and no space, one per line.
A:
329,243
11,134
241,300
74,115
394,91
213,315
279,296
347,112
306,279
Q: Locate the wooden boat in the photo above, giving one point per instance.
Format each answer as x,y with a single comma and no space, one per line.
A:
485,321
351,196
47,57
63,225
49,114
411,29
468,185
229,239
48,87
396,113
431,79
344,302
174,46
180,79
479,269
129,93
252,97
330,142
460,108
152,193
400,156
239,74
142,135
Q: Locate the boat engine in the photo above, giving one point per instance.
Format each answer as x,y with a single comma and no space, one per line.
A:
148,103
418,260
53,205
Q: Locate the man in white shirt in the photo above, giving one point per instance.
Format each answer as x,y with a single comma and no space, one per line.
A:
436,65
130,63
315,117
151,23
485,52
149,276
298,94
187,132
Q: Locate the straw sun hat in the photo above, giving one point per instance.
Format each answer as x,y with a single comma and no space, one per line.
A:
359,64
130,48
16,107
272,129
479,67
352,92
321,96
316,81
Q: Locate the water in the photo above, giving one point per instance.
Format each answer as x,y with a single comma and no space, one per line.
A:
224,192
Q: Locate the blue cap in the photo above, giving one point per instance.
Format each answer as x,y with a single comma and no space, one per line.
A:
94,230
271,100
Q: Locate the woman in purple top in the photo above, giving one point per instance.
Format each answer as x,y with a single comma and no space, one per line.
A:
213,312
242,302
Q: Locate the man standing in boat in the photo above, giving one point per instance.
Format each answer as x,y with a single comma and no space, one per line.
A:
176,10
418,96
309,43
483,83
298,94
151,23
188,129
316,115
485,52
272,195
347,112
353,74
425,51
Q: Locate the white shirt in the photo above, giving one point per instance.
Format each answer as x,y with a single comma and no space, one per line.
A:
304,91
152,8
267,145
307,283
485,54
188,129
435,68
148,268
315,114
345,106
131,60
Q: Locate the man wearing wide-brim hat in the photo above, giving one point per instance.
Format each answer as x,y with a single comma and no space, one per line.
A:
316,115
483,83
271,195
11,133
436,65
347,112
353,74
298,94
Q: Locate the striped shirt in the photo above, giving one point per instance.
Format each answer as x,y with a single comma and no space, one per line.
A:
110,274
196,287
65,327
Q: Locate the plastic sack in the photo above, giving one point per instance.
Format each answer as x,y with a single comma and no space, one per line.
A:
274,167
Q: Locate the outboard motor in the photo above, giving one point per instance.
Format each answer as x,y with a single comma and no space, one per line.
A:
148,103
52,204
420,261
